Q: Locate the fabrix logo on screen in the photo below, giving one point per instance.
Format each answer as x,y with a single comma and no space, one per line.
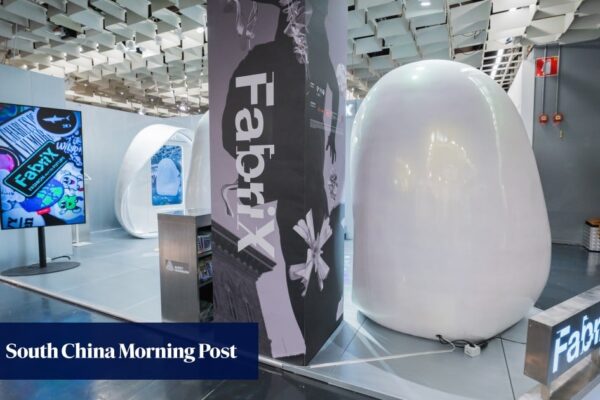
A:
31,176
250,161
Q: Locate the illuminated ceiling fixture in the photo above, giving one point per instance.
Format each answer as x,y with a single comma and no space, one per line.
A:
425,3
128,46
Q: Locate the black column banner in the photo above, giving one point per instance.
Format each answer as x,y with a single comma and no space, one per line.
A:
277,82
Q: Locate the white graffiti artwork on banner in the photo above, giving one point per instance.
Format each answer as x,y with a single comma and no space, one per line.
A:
314,260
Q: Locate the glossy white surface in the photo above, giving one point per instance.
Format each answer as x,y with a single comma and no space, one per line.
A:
133,192
197,193
451,231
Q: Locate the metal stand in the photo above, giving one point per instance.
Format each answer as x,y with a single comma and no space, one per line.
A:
43,267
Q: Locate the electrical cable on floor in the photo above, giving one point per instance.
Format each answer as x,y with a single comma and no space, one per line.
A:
384,358
59,257
461,343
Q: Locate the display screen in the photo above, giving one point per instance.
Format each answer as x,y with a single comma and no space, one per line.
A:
41,167
167,178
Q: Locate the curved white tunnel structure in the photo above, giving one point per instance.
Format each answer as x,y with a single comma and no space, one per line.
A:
133,197
197,186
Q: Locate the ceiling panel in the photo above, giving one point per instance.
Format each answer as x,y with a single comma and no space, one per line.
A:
505,5
134,54
389,9
392,27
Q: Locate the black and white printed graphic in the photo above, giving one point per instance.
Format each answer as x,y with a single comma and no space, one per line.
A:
277,164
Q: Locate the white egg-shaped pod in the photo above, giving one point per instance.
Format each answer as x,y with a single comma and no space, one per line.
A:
451,231
133,193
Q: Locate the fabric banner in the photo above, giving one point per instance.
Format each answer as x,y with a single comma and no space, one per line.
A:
277,96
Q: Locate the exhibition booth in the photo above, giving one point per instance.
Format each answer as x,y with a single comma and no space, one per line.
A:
395,245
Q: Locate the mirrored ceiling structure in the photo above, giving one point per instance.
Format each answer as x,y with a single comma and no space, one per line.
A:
151,56
493,35
136,55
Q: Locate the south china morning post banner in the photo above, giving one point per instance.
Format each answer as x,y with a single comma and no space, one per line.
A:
128,351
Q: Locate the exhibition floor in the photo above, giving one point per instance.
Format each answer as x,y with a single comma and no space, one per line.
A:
18,305
119,276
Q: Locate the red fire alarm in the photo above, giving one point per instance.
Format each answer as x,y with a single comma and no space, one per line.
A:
543,118
557,118
546,66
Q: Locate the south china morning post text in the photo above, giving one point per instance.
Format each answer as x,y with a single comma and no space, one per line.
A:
69,351
128,351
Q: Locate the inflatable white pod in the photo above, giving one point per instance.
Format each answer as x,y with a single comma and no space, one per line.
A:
134,206
451,232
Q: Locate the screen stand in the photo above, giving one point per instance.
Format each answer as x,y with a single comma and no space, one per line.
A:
43,267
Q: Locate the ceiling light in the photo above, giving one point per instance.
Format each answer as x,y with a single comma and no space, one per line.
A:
425,3
130,45
183,107
200,30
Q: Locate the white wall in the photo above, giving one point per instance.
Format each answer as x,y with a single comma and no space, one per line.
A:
19,247
107,134
351,110
567,154
522,93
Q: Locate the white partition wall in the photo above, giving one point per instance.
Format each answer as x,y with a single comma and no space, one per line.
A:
521,92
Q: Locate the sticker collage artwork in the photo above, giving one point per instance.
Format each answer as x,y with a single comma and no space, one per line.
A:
41,167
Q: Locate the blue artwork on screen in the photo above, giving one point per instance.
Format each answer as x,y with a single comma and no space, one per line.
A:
41,167
167,176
